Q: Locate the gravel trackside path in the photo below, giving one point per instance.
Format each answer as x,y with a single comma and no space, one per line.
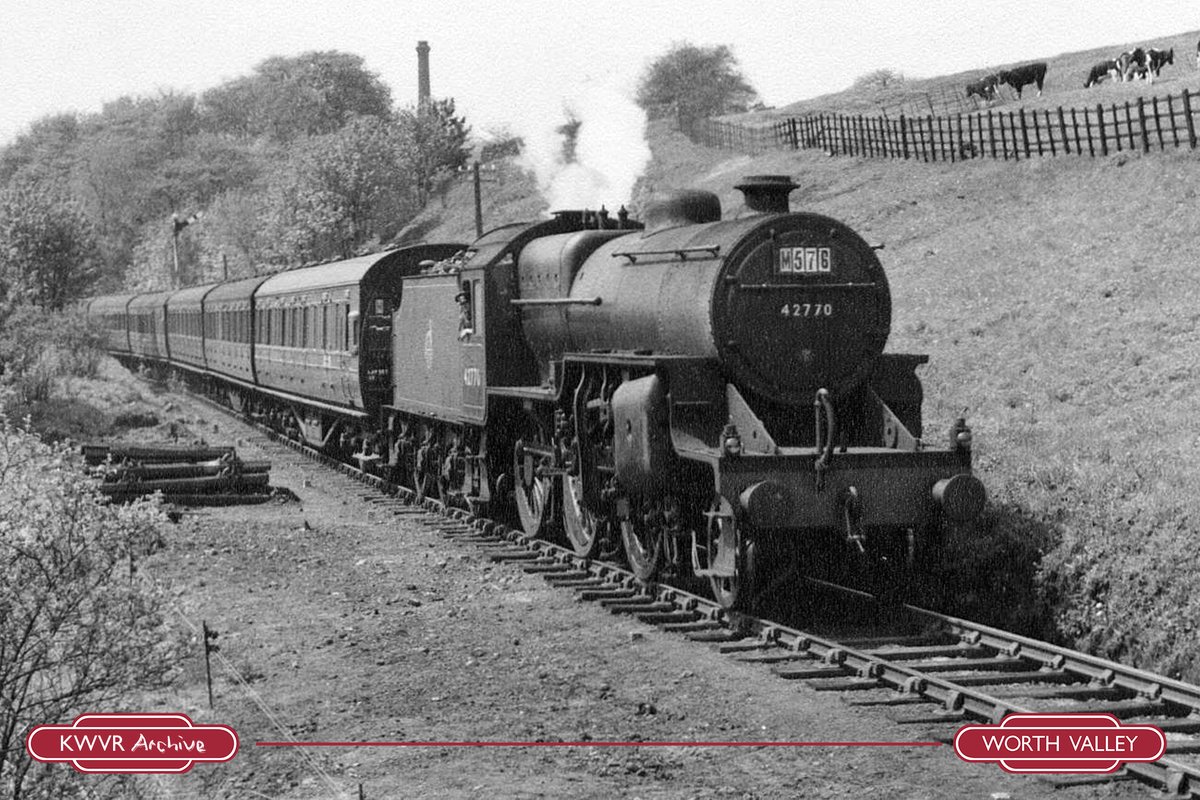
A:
339,621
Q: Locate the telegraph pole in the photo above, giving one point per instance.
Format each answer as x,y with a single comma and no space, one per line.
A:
478,201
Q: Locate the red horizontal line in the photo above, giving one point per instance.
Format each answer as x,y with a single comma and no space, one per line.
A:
598,744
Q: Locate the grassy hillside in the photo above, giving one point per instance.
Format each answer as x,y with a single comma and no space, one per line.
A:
1065,77
1059,301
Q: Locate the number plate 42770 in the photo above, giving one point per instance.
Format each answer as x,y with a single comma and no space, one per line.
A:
794,260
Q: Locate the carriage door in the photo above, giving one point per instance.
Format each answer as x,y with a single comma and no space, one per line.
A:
376,350
470,337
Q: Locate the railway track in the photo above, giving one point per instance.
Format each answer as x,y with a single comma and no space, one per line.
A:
941,672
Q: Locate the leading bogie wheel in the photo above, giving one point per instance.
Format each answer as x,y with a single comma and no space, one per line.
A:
736,593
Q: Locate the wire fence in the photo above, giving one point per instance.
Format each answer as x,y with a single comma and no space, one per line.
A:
1141,124
942,101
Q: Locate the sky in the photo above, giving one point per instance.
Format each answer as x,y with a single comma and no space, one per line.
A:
503,60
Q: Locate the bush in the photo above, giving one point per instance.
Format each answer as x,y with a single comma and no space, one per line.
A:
79,628
37,347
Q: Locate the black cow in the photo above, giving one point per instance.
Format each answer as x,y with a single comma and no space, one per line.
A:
1101,71
1023,75
1157,59
984,87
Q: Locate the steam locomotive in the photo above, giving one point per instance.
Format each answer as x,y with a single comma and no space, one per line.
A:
707,396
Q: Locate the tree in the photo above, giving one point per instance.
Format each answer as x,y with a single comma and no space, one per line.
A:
79,629
234,233
47,249
312,94
691,82
341,190
45,153
879,79
436,142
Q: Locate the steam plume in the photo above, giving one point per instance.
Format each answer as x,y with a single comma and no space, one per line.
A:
607,131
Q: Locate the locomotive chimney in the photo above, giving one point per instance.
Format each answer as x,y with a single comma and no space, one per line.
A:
767,194
422,73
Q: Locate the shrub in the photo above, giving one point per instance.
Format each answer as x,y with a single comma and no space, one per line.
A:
37,347
79,628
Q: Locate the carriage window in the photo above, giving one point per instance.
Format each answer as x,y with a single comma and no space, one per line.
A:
324,327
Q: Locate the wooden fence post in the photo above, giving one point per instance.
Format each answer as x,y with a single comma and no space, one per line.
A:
1025,131
1158,126
1187,115
1171,119
1142,123
795,136
931,150
904,135
1062,128
1049,134
1100,125
991,132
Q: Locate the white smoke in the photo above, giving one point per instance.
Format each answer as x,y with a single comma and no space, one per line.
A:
610,149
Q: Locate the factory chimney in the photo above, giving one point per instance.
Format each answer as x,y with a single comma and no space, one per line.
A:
422,74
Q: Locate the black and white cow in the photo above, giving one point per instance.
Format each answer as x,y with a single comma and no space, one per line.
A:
1105,69
1023,75
985,88
1132,63
1157,59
